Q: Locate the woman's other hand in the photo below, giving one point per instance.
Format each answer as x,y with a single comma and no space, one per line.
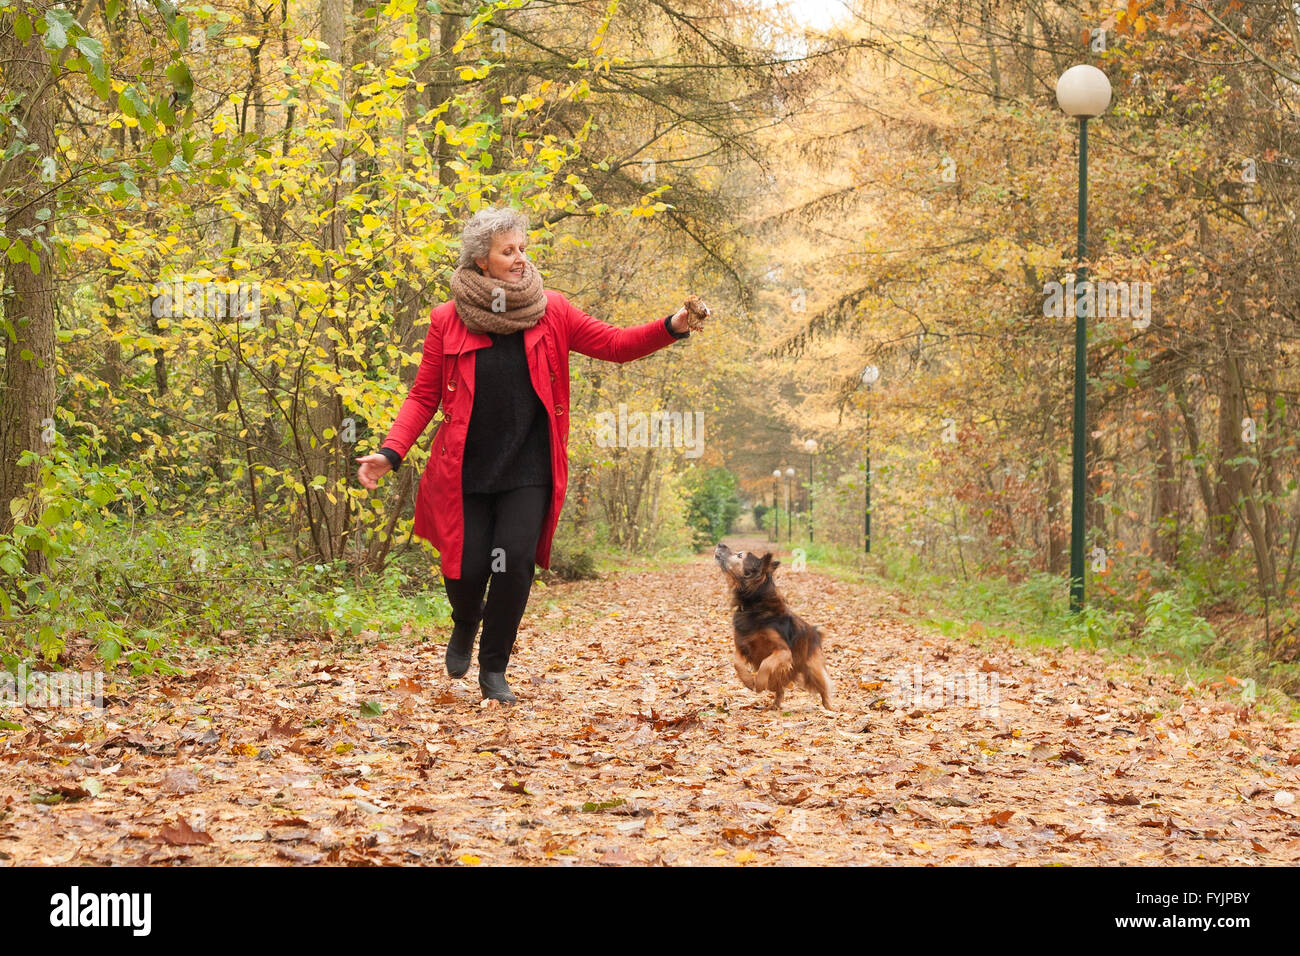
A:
691,316
372,468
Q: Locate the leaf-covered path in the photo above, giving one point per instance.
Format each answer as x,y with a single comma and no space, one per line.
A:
635,743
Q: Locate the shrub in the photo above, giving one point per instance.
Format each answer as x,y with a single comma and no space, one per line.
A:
713,505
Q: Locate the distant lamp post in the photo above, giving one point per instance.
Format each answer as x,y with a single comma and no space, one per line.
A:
789,495
1082,91
776,504
810,446
870,375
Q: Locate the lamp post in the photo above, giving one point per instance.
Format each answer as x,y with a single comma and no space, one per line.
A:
1082,91
870,375
810,446
789,494
776,504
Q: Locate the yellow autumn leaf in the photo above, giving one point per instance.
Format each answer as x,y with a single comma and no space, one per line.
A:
470,860
744,856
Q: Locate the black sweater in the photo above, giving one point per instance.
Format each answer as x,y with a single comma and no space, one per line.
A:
507,444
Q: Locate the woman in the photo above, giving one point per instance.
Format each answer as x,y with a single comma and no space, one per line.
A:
497,359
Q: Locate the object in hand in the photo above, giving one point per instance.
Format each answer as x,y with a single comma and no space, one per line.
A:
696,313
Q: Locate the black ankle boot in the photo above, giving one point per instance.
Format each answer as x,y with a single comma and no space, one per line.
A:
494,687
460,648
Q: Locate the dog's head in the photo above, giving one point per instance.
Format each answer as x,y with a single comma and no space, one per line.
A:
747,573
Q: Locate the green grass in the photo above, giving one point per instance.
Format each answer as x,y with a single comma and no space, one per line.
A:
135,596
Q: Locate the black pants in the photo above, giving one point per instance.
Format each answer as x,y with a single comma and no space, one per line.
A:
501,532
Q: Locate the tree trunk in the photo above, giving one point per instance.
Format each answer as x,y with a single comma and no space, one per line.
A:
1164,511
27,396
328,520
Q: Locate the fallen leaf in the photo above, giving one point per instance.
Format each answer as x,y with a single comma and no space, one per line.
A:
179,781
1120,800
182,834
305,857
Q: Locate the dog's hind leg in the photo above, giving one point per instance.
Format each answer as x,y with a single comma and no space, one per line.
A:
744,671
817,680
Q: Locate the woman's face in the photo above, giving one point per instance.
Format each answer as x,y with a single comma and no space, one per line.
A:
506,260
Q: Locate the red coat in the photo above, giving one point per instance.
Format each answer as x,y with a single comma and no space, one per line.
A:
446,376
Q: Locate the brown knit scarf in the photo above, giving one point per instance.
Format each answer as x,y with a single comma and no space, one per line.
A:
486,304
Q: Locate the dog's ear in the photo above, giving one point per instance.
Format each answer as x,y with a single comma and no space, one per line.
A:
770,564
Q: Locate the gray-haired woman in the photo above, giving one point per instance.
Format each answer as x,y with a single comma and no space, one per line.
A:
497,360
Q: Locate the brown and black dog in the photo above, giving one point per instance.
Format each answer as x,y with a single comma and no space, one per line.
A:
774,647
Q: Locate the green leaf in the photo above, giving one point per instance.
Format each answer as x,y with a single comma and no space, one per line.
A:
162,109
23,28
168,12
590,807
372,708
162,152
93,51
102,87
181,79
110,650
57,23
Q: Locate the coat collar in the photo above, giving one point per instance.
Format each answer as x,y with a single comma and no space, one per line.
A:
458,338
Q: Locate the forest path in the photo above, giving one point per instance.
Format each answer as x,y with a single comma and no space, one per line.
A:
634,742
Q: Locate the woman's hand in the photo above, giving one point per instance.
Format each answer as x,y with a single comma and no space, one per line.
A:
373,467
691,316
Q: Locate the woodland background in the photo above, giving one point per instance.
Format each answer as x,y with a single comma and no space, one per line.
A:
894,191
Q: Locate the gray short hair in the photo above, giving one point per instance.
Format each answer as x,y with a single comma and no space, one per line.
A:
476,237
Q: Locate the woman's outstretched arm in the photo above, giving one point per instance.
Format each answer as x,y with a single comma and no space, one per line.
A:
601,340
